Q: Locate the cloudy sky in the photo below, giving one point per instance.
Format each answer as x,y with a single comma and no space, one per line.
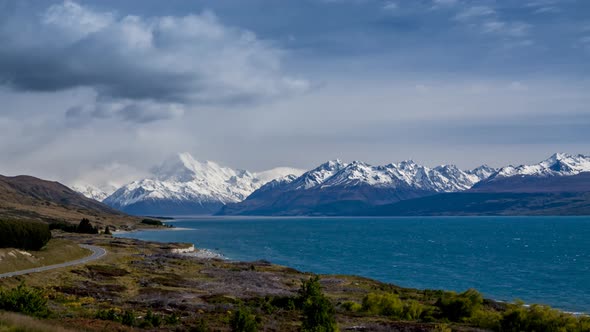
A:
92,91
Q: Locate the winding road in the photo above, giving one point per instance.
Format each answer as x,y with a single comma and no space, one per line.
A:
97,253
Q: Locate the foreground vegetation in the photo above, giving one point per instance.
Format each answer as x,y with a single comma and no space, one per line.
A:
142,286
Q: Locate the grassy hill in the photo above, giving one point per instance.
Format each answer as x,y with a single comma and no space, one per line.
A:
36,199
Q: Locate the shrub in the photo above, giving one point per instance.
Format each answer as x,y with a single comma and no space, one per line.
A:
383,304
110,314
541,318
413,310
23,234
318,311
25,300
243,321
457,307
487,319
352,306
128,318
151,320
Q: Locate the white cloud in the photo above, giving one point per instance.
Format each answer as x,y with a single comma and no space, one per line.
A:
474,12
143,69
390,5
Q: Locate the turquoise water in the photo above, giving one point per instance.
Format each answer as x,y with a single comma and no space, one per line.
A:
535,259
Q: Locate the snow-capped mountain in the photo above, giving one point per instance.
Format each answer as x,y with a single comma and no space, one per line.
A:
183,185
335,182
94,192
446,178
559,173
559,164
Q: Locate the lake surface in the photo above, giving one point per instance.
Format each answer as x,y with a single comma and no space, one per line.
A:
535,259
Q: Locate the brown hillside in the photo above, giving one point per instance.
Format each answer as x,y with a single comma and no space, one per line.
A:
33,198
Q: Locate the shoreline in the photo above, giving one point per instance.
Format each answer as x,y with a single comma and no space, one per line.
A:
205,253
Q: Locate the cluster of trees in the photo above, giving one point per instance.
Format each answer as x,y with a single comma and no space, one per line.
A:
84,227
21,234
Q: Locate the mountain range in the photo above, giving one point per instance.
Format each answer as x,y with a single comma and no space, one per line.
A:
185,186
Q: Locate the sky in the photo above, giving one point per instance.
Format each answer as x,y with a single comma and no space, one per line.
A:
101,91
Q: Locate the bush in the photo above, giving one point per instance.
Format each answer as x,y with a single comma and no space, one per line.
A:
243,321
25,300
318,311
541,318
458,307
352,306
151,320
128,318
383,304
110,314
23,234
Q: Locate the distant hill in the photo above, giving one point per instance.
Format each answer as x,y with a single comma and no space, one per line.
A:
474,203
33,198
535,184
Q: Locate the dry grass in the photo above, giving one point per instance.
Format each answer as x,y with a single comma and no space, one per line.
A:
57,251
10,322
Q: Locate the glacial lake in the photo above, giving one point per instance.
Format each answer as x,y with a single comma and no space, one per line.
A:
536,259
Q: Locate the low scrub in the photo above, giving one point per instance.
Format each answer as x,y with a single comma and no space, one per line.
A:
24,300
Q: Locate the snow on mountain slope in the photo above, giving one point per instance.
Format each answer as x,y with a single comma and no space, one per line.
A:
185,183
559,164
93,192
447,178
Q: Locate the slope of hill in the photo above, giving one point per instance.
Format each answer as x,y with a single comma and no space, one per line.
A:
33,198
475,203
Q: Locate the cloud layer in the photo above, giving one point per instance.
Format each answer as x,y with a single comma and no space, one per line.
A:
141,69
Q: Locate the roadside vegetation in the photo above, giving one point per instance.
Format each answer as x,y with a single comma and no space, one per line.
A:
54,252
22,234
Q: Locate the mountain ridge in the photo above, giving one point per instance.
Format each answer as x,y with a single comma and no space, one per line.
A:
182,185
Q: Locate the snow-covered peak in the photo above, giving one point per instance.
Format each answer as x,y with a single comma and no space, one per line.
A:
405,174
559,164
318,175
93,192
183,178
278,173
482,172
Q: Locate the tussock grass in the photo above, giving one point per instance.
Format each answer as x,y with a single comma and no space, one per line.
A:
11,322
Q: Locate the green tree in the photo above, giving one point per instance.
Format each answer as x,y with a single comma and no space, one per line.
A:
318,311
